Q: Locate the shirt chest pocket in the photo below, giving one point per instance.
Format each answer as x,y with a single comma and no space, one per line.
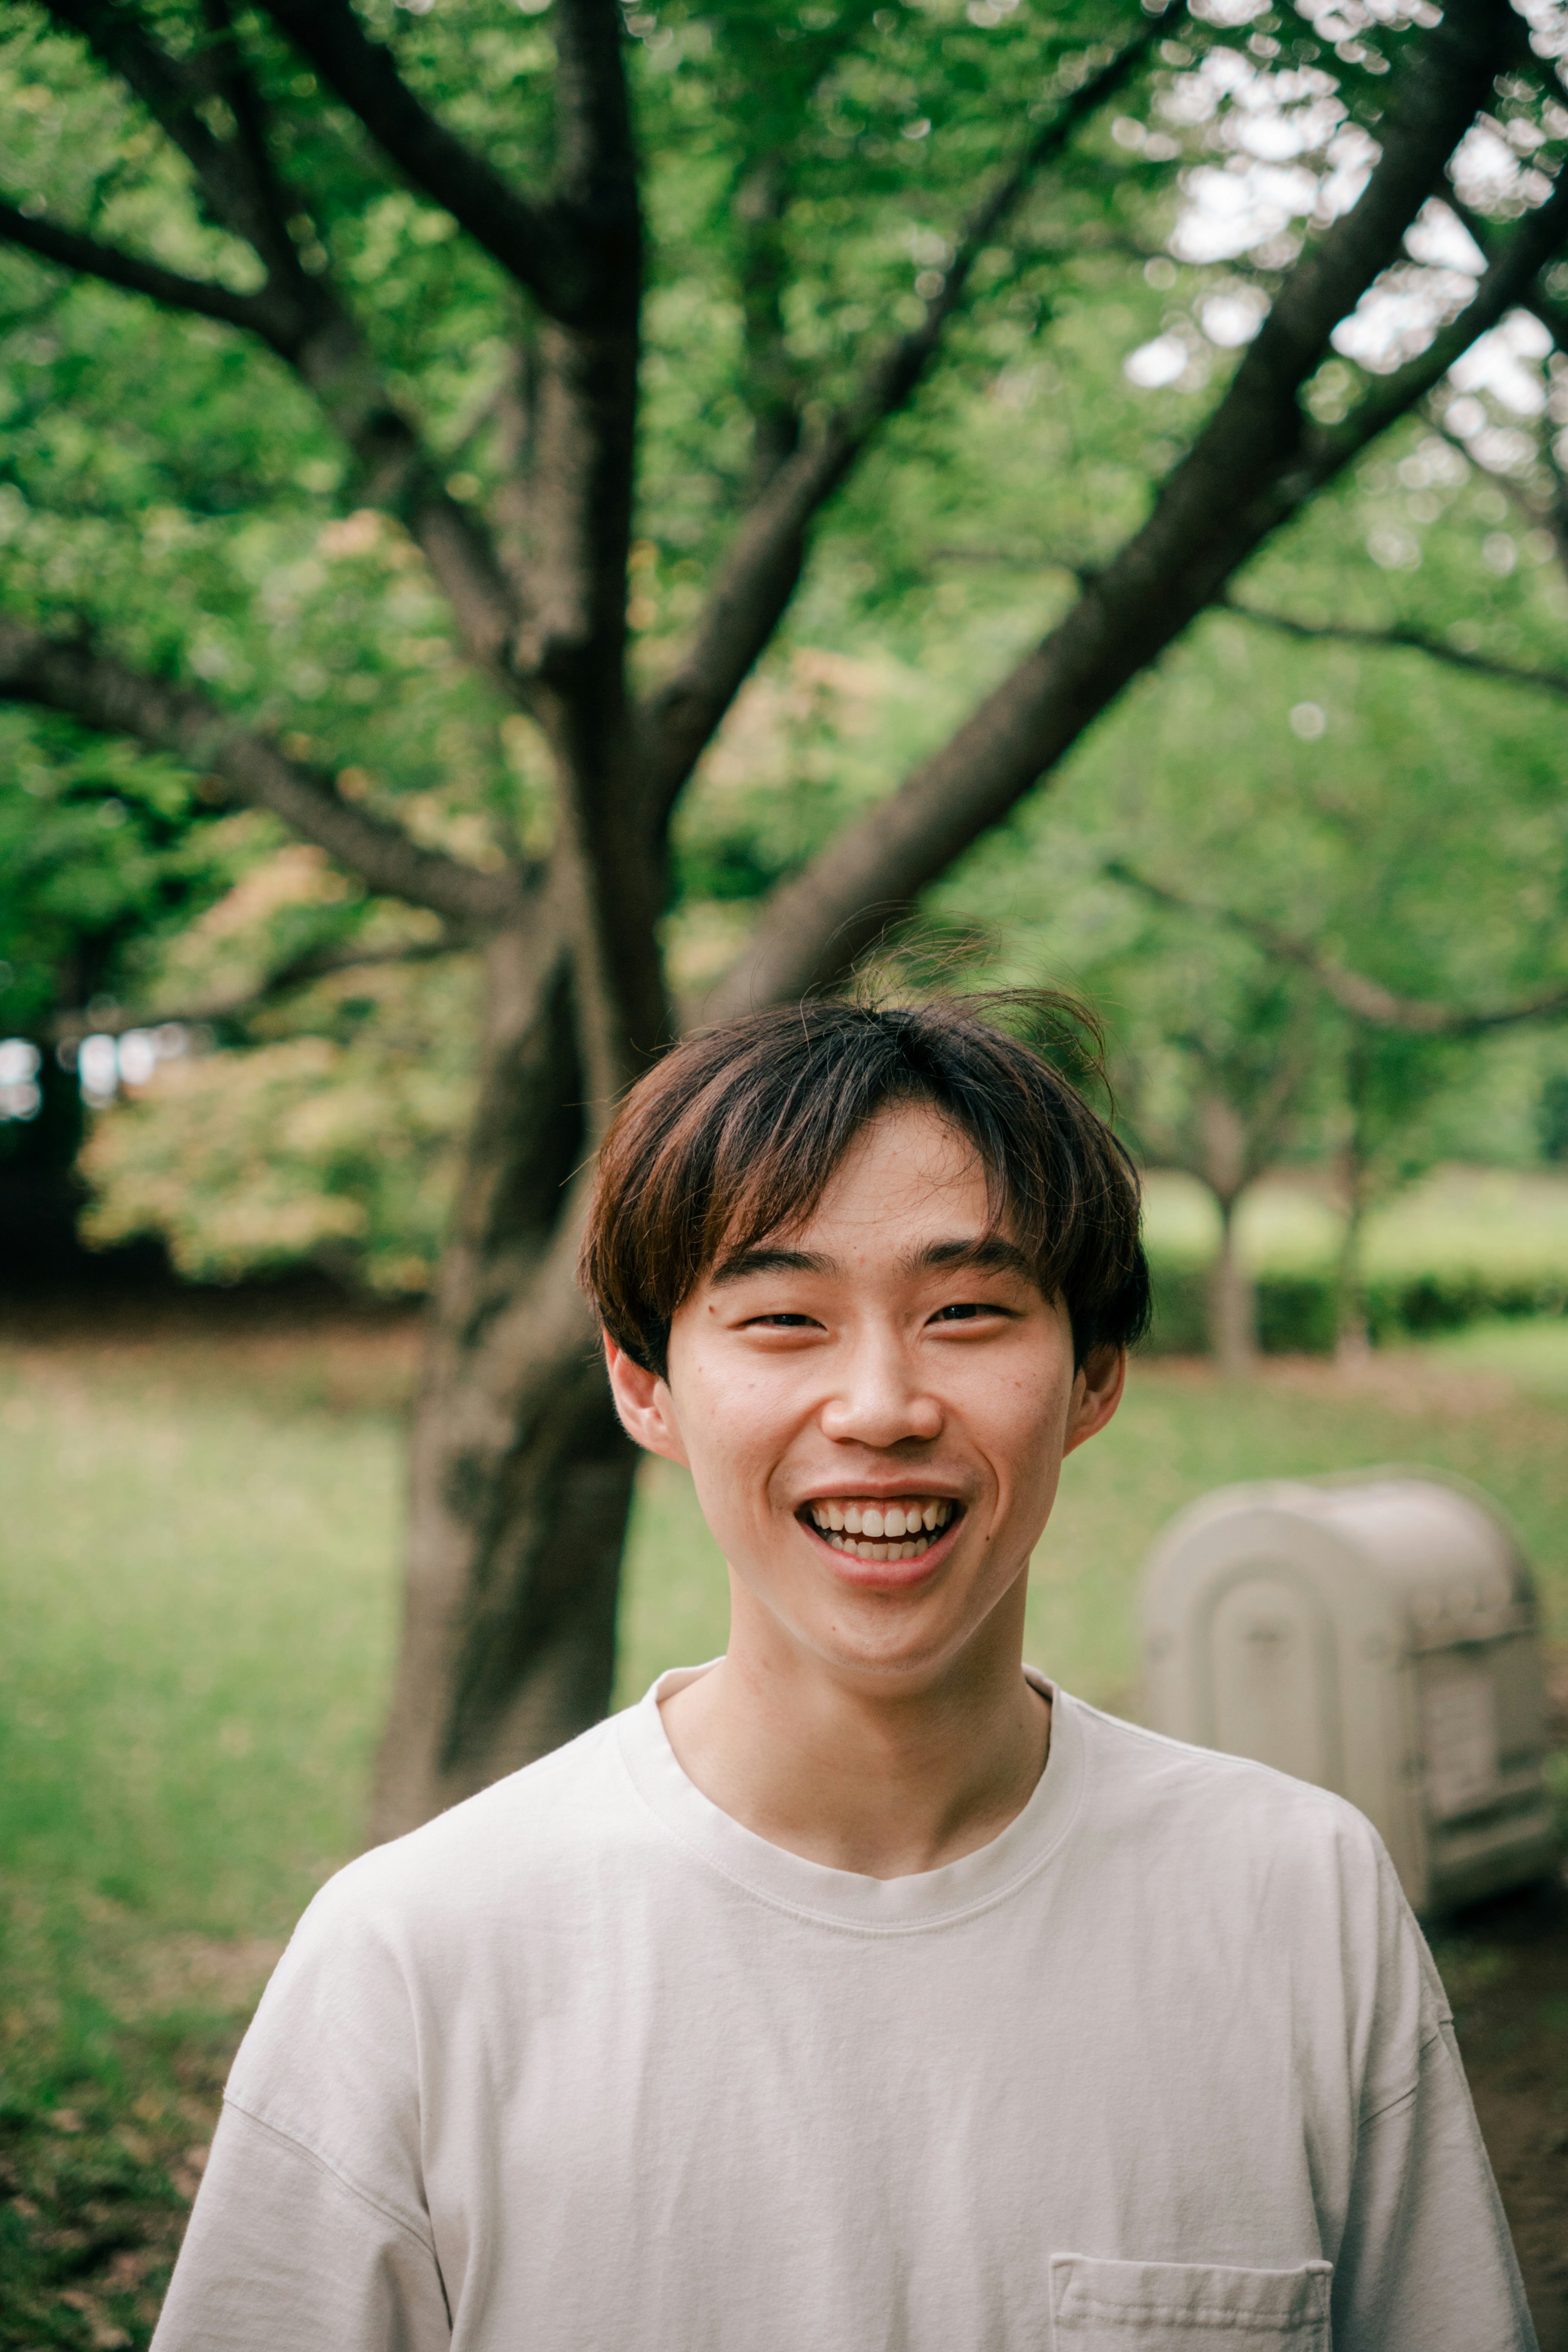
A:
1103,2306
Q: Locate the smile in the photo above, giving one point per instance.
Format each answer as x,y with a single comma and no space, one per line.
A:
883,1530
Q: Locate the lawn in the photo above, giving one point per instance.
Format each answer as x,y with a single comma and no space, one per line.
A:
198,1554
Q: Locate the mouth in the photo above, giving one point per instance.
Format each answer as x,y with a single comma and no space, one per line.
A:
904,1528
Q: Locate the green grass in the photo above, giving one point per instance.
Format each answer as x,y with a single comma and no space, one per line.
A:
1531,1355
198,1567
197,1596
198,1614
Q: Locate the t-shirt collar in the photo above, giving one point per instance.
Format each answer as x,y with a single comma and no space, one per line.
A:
926,1898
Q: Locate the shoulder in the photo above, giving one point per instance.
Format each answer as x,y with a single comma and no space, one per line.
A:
507,1842
1267,1878
407,1921
339,2059
1228,1814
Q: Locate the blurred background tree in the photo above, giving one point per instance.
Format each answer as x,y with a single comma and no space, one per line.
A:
391,548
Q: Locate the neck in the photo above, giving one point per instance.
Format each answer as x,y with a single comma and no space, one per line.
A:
846,1771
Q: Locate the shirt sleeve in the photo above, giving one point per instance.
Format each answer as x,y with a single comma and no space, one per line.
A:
282,2254
1426,2263
310,2232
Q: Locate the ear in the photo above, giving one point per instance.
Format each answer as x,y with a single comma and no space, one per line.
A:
646,1408
1096,1393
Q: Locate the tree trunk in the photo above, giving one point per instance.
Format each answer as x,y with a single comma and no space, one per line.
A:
1352,1335
521,1477
1232,1303
1352,1340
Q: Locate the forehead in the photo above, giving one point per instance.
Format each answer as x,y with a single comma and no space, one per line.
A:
909,1196
908,1166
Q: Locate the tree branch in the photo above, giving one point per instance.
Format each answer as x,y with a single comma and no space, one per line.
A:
89,259
540,246
299,315
1247,473
71,1028
103,694
1549,514
1364,999
1506,282
175,92
1553,315
759,575
771,385
1399,640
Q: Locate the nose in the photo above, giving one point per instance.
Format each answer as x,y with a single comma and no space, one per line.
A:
880,1397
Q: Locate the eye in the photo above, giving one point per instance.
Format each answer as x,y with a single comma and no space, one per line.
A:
780,1322
967,1310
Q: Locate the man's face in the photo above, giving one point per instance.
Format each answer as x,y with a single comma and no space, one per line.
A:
874,1407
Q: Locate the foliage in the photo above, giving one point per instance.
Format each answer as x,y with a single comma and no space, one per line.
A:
170,487
475,398
331,1142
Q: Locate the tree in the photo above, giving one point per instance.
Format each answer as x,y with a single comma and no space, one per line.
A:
250,157
1219,1090
1327,953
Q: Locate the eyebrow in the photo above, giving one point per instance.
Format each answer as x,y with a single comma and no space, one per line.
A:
979,1252
748,1262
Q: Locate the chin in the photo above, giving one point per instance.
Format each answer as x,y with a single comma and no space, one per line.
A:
905,1651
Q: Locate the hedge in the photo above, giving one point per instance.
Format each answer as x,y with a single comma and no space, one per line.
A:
1298,1314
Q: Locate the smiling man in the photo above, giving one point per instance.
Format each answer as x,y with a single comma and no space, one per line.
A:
860,1992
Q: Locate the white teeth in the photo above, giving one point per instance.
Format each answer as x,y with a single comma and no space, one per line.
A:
906,1551
886,1526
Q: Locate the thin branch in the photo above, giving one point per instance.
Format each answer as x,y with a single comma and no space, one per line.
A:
1552,314
1506,282
1549,514
760,575
1400,639
89,259
771,385
1553,515
538,245
298,314
175,92
1364,999
1246,474
237,86
71,1028
101,693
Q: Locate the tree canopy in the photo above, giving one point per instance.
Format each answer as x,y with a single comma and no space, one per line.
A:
423,422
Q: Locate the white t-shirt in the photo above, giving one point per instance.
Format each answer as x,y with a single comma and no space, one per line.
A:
585,2066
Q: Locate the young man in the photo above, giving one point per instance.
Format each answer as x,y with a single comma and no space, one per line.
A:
860,1991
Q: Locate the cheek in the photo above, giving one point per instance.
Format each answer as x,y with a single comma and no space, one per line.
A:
731,1424
1019,1416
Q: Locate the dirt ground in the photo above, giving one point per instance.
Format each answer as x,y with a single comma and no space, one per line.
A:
1506,1968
